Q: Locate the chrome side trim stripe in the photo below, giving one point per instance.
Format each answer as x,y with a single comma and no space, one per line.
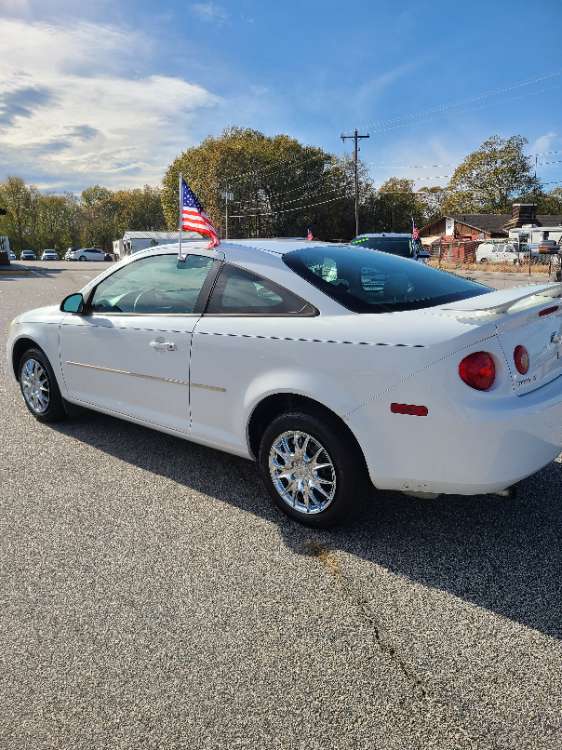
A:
174,381
216,388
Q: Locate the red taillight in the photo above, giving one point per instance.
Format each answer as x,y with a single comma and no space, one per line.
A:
478,371
412,410
521,359
548,311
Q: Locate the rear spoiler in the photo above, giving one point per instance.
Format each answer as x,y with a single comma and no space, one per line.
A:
500,302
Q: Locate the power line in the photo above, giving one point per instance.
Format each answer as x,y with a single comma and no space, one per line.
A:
311,183
402,121
405,119
296,208
275,168
304,196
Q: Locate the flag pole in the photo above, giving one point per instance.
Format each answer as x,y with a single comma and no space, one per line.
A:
180,207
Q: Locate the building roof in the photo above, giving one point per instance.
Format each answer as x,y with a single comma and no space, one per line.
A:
549,220
484,222
495,222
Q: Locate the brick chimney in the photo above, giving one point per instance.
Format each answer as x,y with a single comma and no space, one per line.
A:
522,213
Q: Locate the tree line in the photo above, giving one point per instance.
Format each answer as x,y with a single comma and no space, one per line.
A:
278,187
93,219
273,186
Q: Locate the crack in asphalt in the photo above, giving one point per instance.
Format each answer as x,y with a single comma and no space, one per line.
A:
331,564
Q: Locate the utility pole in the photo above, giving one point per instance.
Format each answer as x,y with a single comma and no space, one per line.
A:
356,137
228,196
535,192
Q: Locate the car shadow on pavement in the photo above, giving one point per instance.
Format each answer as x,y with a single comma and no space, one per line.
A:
502,554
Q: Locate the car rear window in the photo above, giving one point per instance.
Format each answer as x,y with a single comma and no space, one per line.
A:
367,281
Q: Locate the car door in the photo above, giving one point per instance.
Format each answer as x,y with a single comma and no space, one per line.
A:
496,254
129,352
231,349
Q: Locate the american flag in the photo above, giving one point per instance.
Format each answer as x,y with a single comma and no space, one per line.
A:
193,218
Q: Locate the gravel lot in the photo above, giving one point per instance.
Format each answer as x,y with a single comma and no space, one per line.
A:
151,597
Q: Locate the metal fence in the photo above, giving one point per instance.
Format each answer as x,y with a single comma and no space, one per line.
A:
462,254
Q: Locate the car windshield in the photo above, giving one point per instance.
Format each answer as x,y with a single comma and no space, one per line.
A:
367,281
403,246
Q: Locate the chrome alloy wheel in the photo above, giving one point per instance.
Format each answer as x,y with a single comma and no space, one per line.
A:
302,472
35,386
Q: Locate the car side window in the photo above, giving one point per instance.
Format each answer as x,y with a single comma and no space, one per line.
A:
153,286
240,292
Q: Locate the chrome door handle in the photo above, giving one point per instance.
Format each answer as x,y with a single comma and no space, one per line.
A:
163,346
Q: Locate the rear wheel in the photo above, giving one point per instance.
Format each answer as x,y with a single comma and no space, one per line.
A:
312,474
483,260
39,387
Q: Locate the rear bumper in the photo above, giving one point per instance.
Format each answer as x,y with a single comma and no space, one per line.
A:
469,452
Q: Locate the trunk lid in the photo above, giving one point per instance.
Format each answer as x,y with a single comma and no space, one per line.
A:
529,316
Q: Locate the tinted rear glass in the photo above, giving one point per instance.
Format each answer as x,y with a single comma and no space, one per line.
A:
367,281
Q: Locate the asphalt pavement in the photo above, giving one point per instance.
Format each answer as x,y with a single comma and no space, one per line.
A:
152,597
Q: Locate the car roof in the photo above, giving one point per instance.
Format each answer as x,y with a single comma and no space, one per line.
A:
378,235
279,246
240,248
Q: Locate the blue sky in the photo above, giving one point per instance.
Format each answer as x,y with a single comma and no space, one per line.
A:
113,92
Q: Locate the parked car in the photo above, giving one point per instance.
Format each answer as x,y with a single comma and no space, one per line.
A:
324,363
49,255
28,255
12,255
498,252
542,251
400,244
85,253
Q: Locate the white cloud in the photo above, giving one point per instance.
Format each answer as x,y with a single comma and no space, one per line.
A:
75,110
210,11
543,143
15,7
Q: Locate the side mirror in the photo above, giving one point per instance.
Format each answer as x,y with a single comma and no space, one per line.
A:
74,303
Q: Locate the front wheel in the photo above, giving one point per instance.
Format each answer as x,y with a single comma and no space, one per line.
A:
311,470
39,387
82,257
483,260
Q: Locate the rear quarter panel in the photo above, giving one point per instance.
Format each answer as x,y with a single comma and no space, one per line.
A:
344,362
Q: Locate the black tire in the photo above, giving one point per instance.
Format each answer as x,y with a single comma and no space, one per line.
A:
55,410
82,257
347,464
483,260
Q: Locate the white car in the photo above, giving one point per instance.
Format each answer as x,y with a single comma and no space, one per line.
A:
325,363
492,252
49,255
85,253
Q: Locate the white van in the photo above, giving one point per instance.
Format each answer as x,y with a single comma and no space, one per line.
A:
498,252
